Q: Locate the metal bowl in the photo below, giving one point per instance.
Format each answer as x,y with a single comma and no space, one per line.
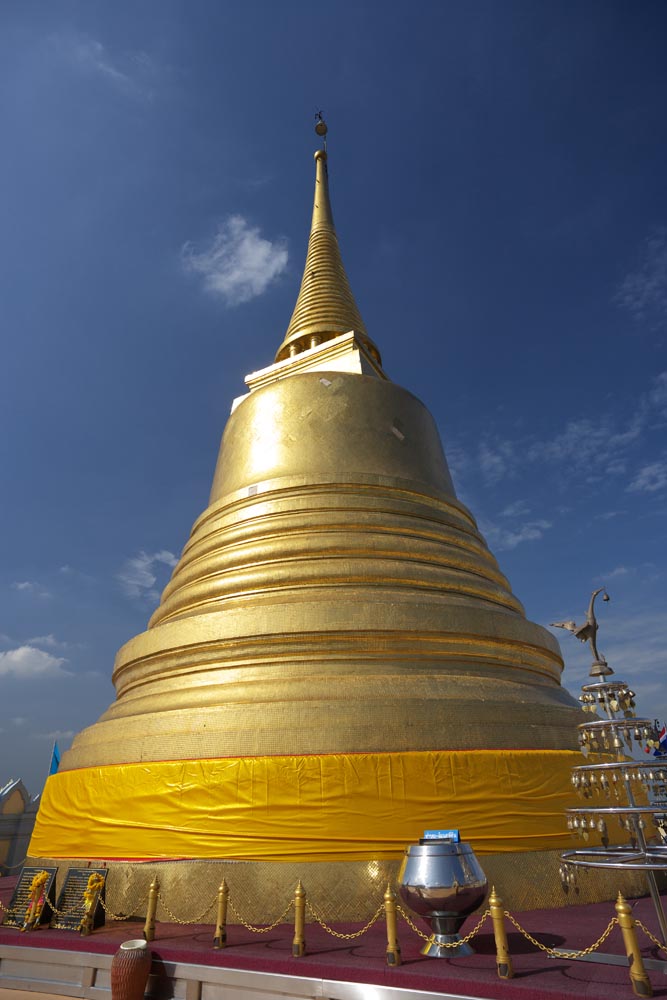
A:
443,883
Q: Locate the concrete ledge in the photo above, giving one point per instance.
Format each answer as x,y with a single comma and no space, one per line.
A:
82,974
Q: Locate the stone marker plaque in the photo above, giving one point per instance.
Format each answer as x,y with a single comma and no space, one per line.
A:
20,901
71,903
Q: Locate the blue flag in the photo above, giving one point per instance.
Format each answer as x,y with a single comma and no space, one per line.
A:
55,759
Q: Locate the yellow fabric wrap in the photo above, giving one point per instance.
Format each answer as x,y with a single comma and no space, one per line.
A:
315,808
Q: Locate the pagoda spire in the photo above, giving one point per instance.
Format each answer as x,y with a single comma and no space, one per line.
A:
325,307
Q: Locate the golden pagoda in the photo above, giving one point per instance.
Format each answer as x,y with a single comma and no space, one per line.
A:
338,662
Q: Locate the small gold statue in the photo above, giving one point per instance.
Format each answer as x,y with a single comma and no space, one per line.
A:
588,632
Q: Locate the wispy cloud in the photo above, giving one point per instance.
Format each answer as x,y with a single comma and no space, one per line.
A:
589,445
28,662
613,574
49,641
502,539
30,587
129,73
517,509
644,291
496,460
138,577
650,478
657,396
589,448
55,734
239,263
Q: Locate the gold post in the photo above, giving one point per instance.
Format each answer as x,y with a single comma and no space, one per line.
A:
149,926
503,958
641,984
299,942
220,936
393,945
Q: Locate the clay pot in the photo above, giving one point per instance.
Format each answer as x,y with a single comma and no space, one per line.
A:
130,967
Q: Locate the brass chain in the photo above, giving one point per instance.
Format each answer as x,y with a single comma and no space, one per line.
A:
77,908
177,920
411,923
338,934
260,930
445,944
648,934
11,868
475,930
114,916
555,952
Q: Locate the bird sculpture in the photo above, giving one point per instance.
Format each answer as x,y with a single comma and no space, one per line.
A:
588,633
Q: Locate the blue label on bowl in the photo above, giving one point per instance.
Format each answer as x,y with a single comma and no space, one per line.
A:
451,835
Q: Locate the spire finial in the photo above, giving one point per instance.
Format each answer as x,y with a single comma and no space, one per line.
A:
325,307
321,128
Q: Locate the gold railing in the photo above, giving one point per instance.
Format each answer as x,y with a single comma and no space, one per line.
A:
222,904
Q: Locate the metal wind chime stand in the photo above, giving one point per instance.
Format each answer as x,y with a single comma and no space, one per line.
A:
621,791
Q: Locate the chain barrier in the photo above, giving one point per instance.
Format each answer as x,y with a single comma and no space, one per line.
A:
12,868
77,908
115,916
447,944
260,930
555,952
410,923
177,920
651,936
338,934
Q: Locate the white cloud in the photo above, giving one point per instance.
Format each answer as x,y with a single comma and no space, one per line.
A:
517,509
650,478
239,264
613,574
129,73
644,291
30,587
588,445
27,662
138,577
657,396
502,539
497,460
55,734
50,642
44,640
587,448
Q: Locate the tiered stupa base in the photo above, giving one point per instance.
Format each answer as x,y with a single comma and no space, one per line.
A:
340,892
337,663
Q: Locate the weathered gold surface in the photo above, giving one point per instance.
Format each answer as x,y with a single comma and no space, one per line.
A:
325,306
308,607
338,891
335,596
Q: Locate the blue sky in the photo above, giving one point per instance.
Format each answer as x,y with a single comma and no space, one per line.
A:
498,181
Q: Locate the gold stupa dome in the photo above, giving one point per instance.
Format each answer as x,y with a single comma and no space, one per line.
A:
338,661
